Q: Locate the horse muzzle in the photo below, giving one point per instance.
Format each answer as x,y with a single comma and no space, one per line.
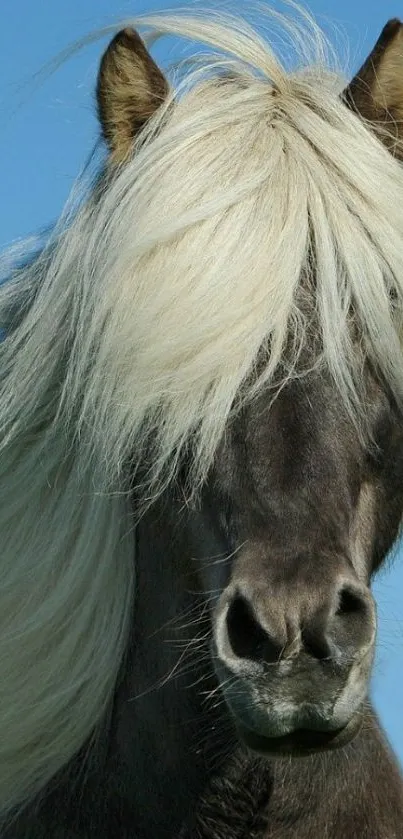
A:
298,693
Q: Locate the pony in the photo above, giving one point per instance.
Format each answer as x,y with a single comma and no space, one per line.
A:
201,453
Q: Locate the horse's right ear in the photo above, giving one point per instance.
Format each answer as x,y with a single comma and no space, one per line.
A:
376,92
130,90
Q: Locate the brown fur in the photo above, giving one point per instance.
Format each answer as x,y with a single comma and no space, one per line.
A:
376,92
354,795
130,89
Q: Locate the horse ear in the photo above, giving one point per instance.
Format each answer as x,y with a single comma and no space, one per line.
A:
130,89
376,92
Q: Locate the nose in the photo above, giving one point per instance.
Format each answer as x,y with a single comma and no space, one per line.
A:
265,630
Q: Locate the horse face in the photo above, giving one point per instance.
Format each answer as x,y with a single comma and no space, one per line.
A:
310,509
310,512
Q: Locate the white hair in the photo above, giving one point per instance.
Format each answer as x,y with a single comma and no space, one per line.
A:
138,326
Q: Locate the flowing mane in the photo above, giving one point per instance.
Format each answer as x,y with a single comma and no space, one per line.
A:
167,298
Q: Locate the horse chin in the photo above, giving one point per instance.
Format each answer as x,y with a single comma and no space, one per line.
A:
299,743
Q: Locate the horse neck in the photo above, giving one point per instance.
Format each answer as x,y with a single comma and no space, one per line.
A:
355,791
172,740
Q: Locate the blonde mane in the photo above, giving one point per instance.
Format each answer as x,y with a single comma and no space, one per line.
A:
139,325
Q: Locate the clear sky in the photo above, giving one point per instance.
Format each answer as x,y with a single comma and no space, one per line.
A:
45,140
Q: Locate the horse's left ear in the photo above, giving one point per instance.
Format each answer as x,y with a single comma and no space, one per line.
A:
376,92
130,89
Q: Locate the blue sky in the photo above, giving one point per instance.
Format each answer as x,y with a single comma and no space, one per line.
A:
46,136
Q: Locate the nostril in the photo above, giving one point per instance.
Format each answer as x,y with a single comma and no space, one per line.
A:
247,637
354,623
350,603
331,634
315,644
